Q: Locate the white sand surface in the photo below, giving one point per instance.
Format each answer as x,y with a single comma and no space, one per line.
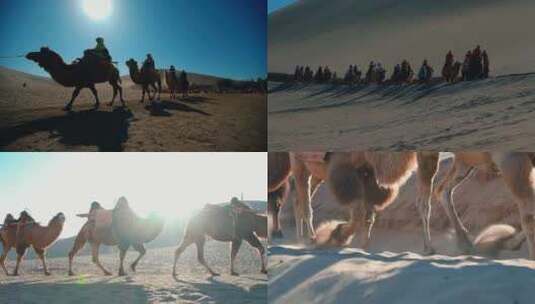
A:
152,283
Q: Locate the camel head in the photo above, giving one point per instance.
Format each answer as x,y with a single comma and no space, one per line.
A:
59,219
131,64
45,57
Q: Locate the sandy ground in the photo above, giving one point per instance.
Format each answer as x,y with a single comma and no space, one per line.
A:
393,270
354,276
152,283
494,114
31,119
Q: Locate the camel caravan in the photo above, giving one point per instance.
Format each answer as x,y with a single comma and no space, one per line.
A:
96,66
121,227
474,66
368,182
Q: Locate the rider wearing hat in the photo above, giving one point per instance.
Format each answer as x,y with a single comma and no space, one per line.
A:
101,50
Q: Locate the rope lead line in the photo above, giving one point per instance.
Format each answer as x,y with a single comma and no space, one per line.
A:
9,57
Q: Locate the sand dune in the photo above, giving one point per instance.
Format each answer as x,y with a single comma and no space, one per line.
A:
32,119
491,114
355,276
153,282
345,32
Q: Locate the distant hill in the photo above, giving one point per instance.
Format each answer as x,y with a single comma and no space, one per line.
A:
170,236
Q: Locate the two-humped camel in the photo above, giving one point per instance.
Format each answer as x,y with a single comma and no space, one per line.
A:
369,181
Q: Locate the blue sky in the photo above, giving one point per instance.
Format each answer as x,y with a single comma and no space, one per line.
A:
170,184
216,37
274,5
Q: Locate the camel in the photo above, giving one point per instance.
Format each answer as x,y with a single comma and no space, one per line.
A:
98,230
218,223
172,83
26,232
279,170
131,230
82,74
177,84
366,182
145,78
516,169
450,73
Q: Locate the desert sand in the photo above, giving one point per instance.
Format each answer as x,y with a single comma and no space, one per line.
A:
345,32
492,114
152,283
393,269
32,119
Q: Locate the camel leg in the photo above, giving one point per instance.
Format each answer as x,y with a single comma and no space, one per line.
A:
155,91
302,208
200,256
5,251
114,86
141,249
185,243
41,254
516,170
95,93
456,176
273,211
94,254
144,88
79,243
21,250
255,242
159,89
122,255
428,163
235,247
68,107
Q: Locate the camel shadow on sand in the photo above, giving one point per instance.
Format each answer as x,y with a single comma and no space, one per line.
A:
217,291
72,291
451,271
163,107
107,130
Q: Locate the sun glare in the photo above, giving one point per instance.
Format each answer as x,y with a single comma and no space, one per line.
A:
97,9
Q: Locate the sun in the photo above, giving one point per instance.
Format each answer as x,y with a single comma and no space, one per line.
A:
97,9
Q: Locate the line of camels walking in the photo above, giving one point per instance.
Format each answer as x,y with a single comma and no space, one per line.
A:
87,72
121,227
367,182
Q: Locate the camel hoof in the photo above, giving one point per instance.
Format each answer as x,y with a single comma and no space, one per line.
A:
71,273
233,273
429,251
107,273
215,274
264,271
67,108
133,267
47,273
277,234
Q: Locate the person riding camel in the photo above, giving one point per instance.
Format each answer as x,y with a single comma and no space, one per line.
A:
101,51
426,72
466,66
485,58
173,72
371,69
149,62
449,59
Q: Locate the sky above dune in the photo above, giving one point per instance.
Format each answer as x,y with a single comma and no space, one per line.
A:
216,37
274,5
172,185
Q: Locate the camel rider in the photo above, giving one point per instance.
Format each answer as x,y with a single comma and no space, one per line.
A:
101,51
425,71
449,58
149,62
173,72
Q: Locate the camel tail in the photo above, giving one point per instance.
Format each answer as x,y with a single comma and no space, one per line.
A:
496,238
